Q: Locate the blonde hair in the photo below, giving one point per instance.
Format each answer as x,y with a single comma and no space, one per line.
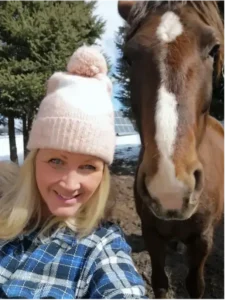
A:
20,209
8,175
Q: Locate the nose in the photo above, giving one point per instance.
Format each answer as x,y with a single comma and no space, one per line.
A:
71,181
198,177
173,193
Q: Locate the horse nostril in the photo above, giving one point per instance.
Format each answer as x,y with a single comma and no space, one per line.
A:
198,175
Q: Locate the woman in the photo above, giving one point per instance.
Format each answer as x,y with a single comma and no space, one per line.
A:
53,242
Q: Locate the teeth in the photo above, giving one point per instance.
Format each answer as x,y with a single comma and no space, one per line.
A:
64,197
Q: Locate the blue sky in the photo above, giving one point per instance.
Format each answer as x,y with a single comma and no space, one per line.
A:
107,9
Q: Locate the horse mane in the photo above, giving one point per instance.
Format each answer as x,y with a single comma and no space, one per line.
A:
208,12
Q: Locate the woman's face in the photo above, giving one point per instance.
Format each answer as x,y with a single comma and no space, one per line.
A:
66,180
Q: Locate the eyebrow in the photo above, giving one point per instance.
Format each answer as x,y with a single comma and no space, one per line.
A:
53,154
93,160
84,161
90,160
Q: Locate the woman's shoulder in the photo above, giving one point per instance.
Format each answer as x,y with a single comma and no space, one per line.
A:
108,228
109,268
109,235
107,231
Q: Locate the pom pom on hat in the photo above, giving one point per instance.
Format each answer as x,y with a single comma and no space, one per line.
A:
87,61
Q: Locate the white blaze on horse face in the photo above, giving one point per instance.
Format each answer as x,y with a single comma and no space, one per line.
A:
166,118
169,28
164,185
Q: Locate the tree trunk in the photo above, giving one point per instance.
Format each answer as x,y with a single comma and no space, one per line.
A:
27,123
12,139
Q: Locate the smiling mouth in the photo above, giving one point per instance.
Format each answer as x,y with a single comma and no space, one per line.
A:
65,197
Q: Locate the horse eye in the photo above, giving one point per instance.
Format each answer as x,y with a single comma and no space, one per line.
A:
127,60
214,51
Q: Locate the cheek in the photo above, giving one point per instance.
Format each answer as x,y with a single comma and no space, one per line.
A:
92,182
206,90
204,95
207,75
44,178
40,179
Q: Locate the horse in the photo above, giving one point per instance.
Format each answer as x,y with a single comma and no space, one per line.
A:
173,49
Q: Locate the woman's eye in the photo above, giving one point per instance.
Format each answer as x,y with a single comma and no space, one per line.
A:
56,161
88,167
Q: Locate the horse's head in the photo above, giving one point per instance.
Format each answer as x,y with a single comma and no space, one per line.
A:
173,48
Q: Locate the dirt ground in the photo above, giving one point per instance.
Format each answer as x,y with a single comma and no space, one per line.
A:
125,215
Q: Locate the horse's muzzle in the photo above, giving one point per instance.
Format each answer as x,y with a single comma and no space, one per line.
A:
178,206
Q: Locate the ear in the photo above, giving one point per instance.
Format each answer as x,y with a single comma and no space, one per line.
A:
124,8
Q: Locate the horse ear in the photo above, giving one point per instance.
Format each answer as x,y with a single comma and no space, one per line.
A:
124,8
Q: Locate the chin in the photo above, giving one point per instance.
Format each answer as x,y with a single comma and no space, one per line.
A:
67,212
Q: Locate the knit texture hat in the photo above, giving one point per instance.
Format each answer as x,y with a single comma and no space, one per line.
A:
77,114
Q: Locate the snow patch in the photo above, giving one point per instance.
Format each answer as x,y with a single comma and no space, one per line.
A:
127,147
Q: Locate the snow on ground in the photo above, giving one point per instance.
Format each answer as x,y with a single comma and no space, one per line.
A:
4,148
128,140
127,147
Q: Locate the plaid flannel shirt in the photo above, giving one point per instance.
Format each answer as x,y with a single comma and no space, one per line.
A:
60,266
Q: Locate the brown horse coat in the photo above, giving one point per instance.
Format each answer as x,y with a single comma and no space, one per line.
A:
173,48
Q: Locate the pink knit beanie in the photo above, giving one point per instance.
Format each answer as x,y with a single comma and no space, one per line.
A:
77,113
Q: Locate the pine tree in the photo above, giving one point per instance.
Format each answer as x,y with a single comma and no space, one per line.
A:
122,75
36,39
